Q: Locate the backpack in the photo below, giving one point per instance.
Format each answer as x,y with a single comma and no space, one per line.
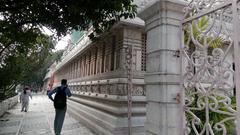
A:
24,91
60,98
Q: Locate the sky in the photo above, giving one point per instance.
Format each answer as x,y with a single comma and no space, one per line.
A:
61,44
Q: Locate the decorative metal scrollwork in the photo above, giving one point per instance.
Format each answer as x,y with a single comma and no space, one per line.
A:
208,76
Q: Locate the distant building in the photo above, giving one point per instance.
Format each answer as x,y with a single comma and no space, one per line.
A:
49,78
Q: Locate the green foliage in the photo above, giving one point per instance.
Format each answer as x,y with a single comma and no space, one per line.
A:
65,15
26,70
34,78
15,40
198,32
22,51
214,117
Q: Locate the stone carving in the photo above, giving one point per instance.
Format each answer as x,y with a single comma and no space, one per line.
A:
113,89
138,91
88,87
110,89
84,88
121,89
103,89
95,89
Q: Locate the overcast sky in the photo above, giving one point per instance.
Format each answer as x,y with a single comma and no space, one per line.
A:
62,43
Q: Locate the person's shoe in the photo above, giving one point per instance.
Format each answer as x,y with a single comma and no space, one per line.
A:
25,111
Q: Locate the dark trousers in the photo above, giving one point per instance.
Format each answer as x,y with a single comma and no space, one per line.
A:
59,119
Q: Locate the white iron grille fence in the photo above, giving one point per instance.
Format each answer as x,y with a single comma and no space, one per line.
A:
209,51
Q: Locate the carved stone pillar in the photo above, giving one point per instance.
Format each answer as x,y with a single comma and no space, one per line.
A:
164,95
88,62
103,58
99,59
71,70
75,69
85,66
95,60
80,66
113,48
134,37
107,56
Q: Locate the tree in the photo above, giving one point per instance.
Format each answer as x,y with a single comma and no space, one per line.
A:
35,76
20,40
21,20
20,63
24,47
65,15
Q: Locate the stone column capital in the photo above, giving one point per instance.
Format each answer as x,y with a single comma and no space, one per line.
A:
161,5
163,12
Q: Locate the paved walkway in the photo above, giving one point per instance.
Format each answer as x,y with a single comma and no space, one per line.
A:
38,120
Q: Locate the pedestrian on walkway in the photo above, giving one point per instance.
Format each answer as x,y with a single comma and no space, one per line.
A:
24,98
60,104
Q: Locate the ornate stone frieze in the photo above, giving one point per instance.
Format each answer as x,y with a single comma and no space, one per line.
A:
83,88
138,90
113,89
121,88
109,89
95,89
89,88
103,89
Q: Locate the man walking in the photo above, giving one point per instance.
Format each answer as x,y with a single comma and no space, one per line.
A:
24,98
60,104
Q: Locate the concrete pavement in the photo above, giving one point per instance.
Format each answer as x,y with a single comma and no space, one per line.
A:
38,120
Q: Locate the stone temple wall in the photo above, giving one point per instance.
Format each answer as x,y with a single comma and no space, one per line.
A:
97,77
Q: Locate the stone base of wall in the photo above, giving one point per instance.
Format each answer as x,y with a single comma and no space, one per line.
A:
108,115
8,104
